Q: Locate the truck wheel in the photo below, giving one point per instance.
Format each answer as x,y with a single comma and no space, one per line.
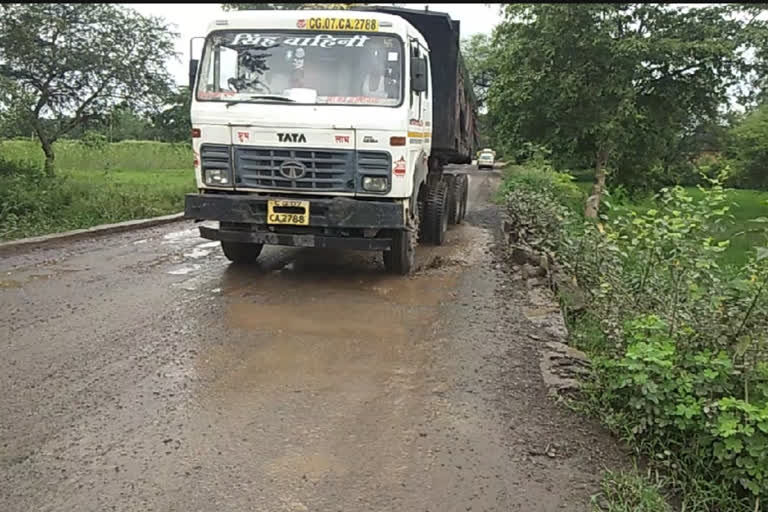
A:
401,257
454,199
436,213
464,197
240,252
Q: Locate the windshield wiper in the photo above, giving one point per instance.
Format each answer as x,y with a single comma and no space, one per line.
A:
262,97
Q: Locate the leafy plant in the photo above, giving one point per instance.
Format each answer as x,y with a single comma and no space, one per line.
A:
678,339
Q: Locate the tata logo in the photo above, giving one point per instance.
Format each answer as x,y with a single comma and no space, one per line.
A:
292,169
291,137
243,136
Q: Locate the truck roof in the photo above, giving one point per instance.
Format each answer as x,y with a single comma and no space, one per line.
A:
286,18
402,12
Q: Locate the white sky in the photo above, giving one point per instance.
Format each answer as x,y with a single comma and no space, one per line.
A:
191,20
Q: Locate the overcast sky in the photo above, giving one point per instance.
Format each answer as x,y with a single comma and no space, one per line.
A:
192,19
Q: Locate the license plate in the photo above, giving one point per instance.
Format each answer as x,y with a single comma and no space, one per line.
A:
288,211
350,24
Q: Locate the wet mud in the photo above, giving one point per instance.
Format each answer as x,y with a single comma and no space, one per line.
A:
142,371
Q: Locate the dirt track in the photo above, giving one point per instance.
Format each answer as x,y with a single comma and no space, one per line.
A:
142,372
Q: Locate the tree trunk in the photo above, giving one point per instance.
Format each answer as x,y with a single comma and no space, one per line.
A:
49,156
47,144
593,201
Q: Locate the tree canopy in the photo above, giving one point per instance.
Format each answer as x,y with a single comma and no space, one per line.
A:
478,57
613,84
62,65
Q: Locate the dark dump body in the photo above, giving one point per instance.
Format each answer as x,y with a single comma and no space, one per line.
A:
454,110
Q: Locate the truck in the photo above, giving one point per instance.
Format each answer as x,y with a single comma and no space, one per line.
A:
331,129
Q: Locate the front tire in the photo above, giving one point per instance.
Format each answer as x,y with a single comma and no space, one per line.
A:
401,258
241,253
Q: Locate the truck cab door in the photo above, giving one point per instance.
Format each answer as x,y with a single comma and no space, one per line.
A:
419,115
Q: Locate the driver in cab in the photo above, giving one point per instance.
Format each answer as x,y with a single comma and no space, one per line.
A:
379,80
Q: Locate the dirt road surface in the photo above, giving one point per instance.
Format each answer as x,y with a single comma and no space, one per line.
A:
143,372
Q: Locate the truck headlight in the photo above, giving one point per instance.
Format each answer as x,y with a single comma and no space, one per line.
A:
216,177
375,184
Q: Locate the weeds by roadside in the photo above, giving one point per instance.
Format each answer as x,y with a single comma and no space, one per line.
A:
631,492
677,339
32,203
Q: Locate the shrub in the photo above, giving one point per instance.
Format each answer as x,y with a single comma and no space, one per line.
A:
678,339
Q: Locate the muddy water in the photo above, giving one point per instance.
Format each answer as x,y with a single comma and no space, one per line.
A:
141,371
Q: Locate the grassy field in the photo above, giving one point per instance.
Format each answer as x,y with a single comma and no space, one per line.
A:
118,182
745,205
134,155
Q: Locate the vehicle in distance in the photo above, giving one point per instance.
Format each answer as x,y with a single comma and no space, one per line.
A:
486,159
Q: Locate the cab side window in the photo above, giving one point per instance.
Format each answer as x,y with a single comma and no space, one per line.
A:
429,74
415,54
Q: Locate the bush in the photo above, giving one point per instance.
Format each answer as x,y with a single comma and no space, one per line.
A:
677,338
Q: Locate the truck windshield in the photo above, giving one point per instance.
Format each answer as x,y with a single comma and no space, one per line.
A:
304,67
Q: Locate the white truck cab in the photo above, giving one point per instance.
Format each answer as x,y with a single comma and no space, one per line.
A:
314,129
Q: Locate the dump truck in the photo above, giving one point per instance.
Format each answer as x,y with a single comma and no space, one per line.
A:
331,129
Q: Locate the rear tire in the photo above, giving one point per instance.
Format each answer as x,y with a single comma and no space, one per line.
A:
464,197
436,213
241,252
454,199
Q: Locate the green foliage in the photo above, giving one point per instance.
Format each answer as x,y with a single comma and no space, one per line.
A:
630,492
97,183
678,339
748,149
93,154
536,174
478,57
173,123
633,82
69,63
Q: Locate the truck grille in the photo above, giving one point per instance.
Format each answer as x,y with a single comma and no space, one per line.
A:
326,170
374,163
214,157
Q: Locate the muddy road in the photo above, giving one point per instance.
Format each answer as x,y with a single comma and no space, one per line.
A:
142,372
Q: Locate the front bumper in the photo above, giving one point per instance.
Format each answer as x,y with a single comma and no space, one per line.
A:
243,218
337,212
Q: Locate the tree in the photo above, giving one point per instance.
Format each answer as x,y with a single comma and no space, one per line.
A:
615,83
477,52
62,65
173,124
748,149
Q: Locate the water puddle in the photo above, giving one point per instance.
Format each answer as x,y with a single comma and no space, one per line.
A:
180,235
183,271
197,253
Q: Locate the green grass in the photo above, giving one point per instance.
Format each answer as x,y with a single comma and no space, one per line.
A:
630,492
745,205
136,155
122,181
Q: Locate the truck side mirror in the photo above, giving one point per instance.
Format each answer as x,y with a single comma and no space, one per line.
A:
419,74
192,73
